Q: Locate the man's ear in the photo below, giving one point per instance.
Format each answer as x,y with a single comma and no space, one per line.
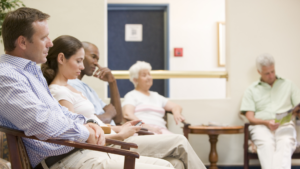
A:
21,42
60,58
258,72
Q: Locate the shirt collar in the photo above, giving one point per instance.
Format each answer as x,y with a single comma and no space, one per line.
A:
15,61
261,82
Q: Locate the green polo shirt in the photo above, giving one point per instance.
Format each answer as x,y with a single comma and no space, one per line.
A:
267,101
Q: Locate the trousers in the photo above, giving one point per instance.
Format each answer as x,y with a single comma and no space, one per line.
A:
274,148
156,151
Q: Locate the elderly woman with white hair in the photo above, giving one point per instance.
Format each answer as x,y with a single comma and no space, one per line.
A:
148,106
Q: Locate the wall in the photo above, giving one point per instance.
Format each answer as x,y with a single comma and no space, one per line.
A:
84,21
193,26
253,27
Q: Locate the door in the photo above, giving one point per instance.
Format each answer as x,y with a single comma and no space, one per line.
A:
122,54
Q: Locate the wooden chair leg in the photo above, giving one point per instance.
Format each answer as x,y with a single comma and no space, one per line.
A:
129,163
246,138
246,161
14,152
186,130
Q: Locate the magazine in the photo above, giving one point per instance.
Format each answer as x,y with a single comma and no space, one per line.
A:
285,117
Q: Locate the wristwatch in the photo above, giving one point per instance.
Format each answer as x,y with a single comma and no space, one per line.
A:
92,121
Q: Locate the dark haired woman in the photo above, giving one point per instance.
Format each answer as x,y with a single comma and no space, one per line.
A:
65,61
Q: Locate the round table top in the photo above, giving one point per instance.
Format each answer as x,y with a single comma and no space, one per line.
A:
216,130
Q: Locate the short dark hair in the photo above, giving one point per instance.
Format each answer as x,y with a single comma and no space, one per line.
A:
19,23
68,45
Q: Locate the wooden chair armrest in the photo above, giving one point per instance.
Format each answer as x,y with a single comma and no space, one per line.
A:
72,143
144,129
143,132
106,129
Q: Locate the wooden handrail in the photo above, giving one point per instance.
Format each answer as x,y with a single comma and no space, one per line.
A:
166,74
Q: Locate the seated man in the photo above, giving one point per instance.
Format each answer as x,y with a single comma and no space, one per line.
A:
173,148
26,103
261,102
111,113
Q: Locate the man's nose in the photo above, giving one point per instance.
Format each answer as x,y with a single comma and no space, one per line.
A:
50,44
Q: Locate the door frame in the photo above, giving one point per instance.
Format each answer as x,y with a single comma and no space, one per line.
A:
161,7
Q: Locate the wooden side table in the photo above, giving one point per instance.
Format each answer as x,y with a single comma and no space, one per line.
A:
213,133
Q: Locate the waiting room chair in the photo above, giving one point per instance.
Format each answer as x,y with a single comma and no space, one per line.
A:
250,148
20,160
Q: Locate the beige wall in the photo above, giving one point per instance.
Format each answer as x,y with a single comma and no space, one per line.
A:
192,26
84,20
253,27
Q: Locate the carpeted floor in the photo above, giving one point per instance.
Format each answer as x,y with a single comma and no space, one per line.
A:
251,167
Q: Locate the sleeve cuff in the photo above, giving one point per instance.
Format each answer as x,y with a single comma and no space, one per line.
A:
84,134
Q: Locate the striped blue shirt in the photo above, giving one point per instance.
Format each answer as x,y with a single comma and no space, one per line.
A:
26,104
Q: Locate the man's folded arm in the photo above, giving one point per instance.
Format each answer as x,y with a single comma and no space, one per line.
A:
21,106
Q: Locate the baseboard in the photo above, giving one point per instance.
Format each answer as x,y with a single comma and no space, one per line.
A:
250,167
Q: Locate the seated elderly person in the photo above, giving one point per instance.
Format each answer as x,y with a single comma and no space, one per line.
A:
145,105
261,102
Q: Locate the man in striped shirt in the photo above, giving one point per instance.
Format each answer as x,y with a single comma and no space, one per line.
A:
26,103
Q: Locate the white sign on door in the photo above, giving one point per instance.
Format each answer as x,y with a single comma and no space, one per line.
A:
134,32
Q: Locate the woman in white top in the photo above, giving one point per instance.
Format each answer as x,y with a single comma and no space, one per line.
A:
148,106
65,61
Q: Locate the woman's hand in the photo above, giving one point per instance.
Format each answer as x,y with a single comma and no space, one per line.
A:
178,118
129,129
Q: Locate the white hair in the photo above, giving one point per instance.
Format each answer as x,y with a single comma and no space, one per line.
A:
135,69
264,60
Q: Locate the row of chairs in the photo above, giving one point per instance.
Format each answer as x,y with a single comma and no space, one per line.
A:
19,158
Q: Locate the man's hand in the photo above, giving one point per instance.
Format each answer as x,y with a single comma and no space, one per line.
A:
272,125
96,134
103,73
178,118
129,129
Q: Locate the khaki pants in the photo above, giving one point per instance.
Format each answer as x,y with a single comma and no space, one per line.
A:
172,147
154,150
88,159
274,148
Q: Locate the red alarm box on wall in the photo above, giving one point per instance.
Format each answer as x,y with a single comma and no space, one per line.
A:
178,52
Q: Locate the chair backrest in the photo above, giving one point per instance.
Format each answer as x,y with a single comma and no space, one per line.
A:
17,152
3,147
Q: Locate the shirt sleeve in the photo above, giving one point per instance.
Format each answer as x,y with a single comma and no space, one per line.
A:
23,108
61,93
129,100
97,102
248,103
163,100
295,99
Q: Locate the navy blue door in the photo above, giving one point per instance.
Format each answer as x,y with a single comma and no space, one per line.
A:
122,54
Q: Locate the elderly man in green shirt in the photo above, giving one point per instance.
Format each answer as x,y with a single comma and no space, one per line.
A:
261,102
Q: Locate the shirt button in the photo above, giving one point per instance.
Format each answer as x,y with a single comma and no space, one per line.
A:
36,75
32,63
